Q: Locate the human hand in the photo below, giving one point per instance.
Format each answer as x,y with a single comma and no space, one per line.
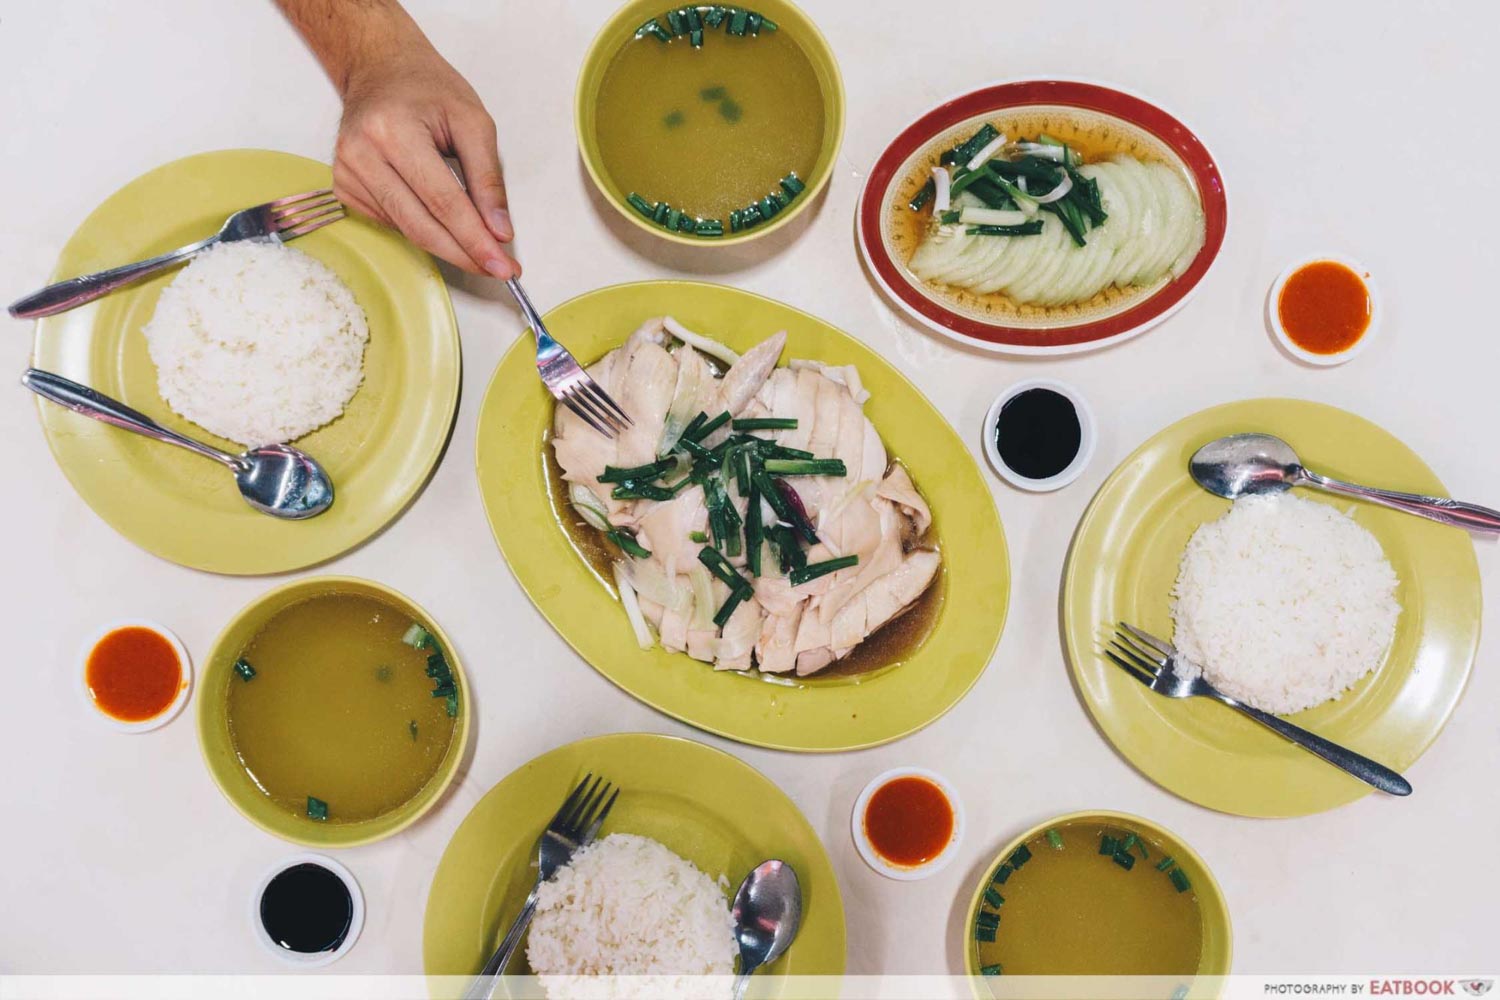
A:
402,114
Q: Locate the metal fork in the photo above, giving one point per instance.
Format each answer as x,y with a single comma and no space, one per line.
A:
565,378
1154,663
574,826
282,220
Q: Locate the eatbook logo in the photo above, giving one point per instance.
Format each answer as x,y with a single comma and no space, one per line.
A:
1477,987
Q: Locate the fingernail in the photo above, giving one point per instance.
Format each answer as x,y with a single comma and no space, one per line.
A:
500,224
499,267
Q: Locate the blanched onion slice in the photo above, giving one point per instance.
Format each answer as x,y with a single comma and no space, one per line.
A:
940,199
1061,191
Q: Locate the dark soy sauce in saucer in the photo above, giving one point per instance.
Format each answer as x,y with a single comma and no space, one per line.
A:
307,909
1038,434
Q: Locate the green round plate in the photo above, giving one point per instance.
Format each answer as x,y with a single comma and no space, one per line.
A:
185,508
813,715
719,813
1124,562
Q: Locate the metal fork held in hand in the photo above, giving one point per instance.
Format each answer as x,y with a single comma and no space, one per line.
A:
575,825
283,219
565,378
1153,662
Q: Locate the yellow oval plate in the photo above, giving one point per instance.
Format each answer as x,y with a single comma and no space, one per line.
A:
719,813
1123,564
812,715
185,508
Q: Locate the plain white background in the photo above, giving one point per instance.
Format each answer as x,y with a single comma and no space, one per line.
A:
1360,127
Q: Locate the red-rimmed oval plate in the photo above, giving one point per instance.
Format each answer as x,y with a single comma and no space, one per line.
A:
1092,117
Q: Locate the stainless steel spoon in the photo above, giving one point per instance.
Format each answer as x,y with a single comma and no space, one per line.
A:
276,479
767,914
1249,464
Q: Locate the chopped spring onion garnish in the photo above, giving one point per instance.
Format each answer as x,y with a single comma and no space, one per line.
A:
702,430
1032,228
924,195
317,809
698,536
640,205
719,567
1108,844
964,151
765,424
992,896
1020,857
727,609
987,919
244,669
988,150
651,470
754,536
628,544
1060,191
1003,874
1179,880
814,570
942,189
637,490
792,185
806,467
1055,839
1125,860
983,933
411,729
991,217
990,970
950,217
1165,863
416,636
1128,842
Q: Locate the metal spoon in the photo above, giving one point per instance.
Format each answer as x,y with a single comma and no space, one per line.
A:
276,479
1251,464
767,914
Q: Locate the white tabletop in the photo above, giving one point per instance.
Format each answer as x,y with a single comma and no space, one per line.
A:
1338,126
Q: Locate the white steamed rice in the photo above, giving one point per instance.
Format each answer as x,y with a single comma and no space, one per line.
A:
1284,603
628,906
257,342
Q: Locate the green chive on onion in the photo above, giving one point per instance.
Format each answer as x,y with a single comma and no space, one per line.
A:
651,470
640,204
992,896
1179,879
244,669
764,424
806,467
1055,839
812,571
628,544
924,194
317,809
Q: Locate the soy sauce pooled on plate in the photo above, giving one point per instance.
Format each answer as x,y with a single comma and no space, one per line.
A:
1038,433
307,909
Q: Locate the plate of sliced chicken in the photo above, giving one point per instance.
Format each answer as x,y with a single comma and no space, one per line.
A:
789,546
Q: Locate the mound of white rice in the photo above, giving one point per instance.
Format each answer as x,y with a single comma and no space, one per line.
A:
257,343
627,906
1284,603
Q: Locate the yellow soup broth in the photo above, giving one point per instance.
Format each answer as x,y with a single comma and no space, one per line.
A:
711,129
1074,911
339,708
